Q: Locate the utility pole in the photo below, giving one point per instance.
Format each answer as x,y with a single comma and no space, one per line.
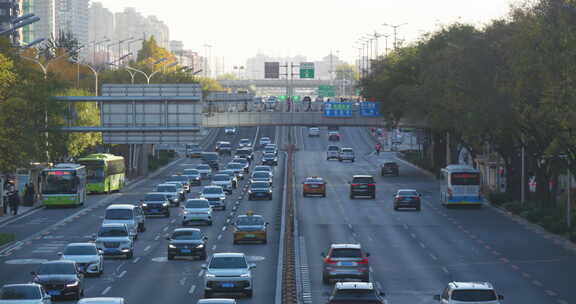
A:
395,27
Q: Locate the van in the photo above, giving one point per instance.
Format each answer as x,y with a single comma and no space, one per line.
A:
130,215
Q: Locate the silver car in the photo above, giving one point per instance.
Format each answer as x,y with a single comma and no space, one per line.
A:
114,240
87,257
228,273
197,210
215,195
216,301
224,181
24,293
345,261
346,154
333,152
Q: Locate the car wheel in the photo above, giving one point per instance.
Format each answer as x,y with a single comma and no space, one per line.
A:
324,194
418,208
170,257
325,280
249,294
207,294
130,255
209,223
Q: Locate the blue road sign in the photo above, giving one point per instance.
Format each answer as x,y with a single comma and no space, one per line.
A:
338,109
368,108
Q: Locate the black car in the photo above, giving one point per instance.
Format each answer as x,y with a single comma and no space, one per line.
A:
389,168
245,152
269,159
60,278
187,242
407,198
260,190
362,185
156,204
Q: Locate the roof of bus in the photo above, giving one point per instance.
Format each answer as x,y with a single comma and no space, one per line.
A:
460,168
101,156
64,166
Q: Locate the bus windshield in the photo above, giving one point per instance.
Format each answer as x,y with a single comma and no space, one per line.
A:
465,179
59,182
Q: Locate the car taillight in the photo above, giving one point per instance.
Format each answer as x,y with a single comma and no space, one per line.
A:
329,261
372,185
449,193
355,185
363,261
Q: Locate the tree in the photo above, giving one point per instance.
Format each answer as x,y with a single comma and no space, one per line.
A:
63,42
150,53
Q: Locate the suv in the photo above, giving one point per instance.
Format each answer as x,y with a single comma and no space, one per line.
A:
246,152
114,239
215,195
194,176
353,292
389,168
197,210
313,132
333,152
130,215
345,261
171,192
464,292
314,185
156,204
224,181
228,272
59,278
362,185
87,257
346,154
187,242
210,159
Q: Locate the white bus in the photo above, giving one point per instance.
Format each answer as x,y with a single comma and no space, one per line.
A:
460,185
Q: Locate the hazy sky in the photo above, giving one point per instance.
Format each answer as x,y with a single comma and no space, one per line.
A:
239,29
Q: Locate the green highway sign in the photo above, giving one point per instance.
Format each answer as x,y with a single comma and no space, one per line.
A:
307,70
326,91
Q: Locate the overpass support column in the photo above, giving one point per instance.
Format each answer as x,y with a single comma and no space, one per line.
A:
142,158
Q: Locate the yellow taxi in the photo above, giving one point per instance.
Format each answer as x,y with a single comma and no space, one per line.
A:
250,228
314,185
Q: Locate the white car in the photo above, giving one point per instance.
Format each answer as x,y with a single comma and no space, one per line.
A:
101,301
205,171
467,292
265,141
115,240
24,293
230,131
228,272
265,168
245,143
216,301
197,210
313,132
261,176
87,257
215,195
224,181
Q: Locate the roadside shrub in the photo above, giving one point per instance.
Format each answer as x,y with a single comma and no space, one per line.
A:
513,207
499,198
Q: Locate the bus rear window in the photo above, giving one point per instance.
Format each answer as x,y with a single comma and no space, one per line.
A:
465,179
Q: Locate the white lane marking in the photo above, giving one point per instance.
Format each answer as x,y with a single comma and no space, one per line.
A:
413,235
122,274
173,221
106,290
157,238
165,228
201,273
192,289
551,293
537,283
213,247
224,228
433,257
445,270
147,248
136,260
219,237
422,245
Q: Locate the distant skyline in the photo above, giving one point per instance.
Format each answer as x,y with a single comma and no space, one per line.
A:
238,30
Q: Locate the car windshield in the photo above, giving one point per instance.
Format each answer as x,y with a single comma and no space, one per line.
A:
265,139
407,193
269,150
260,175
80,250
221,178
259,185
187,235
197,204
20,293
154,197
240,160
112,232
262,168
212,190
473,295
225,146
203,167
118,214
363,180
228,262
235,166
57,268
346,253
315,180
243,152
268,155
347,150
244,141
191,172
333,148
166,188
250,221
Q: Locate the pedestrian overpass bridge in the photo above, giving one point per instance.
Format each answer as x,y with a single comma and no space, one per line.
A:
273,83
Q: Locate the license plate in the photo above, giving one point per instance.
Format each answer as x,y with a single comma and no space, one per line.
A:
110,250
363,187
347,263
155,211
250,235
314,186
228,285
186,250
54,292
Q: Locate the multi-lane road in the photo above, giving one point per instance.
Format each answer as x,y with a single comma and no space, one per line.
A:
413,254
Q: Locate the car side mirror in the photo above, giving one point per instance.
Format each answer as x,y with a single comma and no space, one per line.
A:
252,266
500,297
383,294
437,297
100,252
60,254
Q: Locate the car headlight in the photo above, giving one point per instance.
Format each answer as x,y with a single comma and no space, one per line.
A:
165,204
210,275
200,246
73,284
144,205
245,275
171,246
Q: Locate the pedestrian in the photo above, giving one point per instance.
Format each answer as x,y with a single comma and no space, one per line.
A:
378,148
30,194
14,202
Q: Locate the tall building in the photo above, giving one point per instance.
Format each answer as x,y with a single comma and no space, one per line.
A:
101,22
131,23
46,27
9,9
28,31
72,17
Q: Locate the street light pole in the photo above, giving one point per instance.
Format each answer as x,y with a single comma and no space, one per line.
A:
395,27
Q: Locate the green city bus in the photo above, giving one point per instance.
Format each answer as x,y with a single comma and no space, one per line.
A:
106,172
63,185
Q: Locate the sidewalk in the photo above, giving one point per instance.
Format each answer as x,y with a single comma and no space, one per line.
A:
21,211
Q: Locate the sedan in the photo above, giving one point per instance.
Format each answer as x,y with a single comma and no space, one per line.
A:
87,257
187,242
60,279
24,293
265,141
260,190
261,177
407,198
270,159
